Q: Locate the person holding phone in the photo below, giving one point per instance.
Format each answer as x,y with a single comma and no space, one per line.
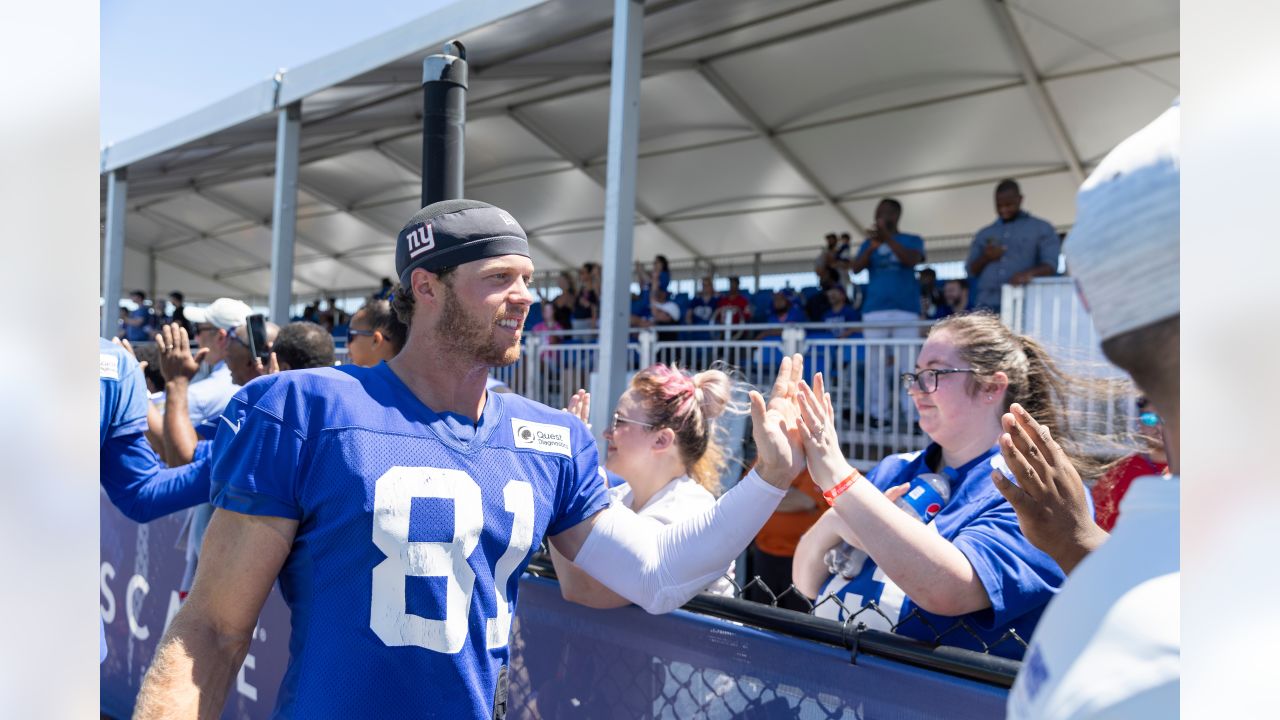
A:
1012,250
893,293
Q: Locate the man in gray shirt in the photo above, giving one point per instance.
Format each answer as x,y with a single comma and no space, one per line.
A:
1013,249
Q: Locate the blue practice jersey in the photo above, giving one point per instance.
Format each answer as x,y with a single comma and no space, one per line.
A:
413,531
1019,579
122,393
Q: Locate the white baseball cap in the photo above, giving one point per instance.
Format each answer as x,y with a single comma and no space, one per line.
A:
223,313
1123,249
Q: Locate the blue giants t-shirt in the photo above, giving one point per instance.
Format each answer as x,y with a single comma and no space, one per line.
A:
122,393
890,284
413,531
1019,579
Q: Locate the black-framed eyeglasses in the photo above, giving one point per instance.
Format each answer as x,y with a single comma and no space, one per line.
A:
357,333
619,418
205,328
927,380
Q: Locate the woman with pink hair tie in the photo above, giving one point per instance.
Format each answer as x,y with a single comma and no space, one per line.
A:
662,441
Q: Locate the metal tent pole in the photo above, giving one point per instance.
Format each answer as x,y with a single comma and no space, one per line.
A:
284,210
619,206
113,250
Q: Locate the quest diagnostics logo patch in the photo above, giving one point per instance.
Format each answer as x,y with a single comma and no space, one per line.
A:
541,436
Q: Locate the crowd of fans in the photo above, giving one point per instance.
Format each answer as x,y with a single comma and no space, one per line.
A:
992,401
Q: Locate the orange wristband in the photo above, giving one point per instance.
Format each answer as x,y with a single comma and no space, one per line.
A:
839,488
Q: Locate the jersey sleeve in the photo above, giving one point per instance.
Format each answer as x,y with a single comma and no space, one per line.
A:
130,415
257,453
1017,576
915,242
582,491
141,488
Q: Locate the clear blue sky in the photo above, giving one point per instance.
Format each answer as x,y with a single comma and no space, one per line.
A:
163,59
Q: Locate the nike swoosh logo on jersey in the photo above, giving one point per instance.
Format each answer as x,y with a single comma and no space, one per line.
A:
235,427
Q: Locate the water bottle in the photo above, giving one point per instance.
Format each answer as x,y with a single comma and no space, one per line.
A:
923,501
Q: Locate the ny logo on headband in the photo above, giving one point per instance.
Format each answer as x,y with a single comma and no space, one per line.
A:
420,240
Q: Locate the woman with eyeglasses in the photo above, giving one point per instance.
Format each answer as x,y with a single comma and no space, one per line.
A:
663,442
1151,460
971,563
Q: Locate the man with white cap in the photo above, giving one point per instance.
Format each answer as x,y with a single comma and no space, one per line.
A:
207,397
1109,645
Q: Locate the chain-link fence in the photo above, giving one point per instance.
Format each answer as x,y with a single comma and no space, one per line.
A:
732,658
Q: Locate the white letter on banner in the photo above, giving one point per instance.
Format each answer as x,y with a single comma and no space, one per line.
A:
137,582
109,610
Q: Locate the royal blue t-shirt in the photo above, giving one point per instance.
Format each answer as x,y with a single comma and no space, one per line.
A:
414,529
1019,579
890,284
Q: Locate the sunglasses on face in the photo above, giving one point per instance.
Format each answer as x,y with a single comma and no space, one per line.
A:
617,418
357,333
1149,419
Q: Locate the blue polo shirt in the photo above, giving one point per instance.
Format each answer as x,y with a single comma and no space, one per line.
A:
1028,241
892,285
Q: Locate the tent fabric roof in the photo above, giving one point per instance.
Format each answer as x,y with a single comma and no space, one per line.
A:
764,124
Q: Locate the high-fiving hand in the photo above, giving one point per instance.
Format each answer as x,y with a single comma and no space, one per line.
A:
1049,497
580,406
774,426
176,359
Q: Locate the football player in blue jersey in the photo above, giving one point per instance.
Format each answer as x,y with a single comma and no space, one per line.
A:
131,473
398,505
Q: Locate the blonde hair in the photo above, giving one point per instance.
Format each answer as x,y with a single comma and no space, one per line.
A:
689,405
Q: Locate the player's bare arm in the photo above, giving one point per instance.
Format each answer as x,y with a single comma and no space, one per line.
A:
200,653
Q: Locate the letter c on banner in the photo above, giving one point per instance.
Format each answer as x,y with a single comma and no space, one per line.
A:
137,582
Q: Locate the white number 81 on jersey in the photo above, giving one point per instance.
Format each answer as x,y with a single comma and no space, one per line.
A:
394,492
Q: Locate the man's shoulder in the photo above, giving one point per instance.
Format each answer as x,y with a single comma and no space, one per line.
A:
114,362
299,391
535,426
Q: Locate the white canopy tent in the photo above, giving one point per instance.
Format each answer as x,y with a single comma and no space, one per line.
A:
763,124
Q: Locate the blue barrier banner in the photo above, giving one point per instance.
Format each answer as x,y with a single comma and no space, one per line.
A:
141,570
567,661
573,662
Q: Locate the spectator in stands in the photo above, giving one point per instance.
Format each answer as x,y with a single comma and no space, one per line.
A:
892,295
122,323
840,311
568,296
955,296
139,326
659,276
586,309
818,304
180,312
384,293
1151,460
784,311
1109,643
733,306
973,563
303,345
932,301
1013,249
553,319
663,442
374,334
664,311
774,549
702,307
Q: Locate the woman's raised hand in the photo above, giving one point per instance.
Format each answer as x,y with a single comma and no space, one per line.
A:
827,464
580,406
779,448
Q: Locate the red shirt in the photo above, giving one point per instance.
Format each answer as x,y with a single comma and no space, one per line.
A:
1109,490
739,302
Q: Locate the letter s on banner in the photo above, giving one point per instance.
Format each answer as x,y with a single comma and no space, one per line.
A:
108,610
